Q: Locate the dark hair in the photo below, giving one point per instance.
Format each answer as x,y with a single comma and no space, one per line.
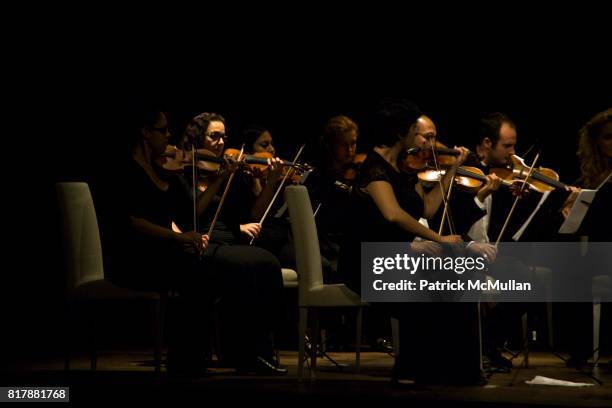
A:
593,163
394,118
250,134
490,126
196,128
141,119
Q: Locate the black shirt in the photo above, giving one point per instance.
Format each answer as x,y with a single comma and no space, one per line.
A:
366,213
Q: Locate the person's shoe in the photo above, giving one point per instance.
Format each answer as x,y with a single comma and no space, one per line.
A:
498,363
384,346
263,366
269,367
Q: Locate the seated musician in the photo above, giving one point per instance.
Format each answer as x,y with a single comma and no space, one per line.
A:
392,202
248,279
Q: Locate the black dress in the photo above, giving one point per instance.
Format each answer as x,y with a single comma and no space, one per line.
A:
367,223
426,353
330,197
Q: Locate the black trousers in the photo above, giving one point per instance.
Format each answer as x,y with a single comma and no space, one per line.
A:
248,285
242,284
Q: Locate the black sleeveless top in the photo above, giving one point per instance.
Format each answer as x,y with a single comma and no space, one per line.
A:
368,223
365,211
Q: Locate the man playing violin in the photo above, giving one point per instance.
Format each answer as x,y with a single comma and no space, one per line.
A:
496,146
470,207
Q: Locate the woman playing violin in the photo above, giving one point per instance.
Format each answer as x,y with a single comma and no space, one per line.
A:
385,206
329,186
250,277
155,257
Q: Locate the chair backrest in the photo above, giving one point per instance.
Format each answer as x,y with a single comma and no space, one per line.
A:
81,237
305,238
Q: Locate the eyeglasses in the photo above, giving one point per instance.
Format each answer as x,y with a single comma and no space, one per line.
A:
215,136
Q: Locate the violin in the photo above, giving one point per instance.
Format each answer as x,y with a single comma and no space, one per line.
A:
542,179
467,177
176,160
418,158
350,172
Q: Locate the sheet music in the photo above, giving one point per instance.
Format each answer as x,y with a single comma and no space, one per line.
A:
578,211
519,233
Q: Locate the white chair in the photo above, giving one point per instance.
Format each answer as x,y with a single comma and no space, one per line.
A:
290,278
86,285
312,293
602,291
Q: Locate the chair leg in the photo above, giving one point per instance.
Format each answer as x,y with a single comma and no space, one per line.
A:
216,330
358,339
315,343
480,345
525,321
395,336
549,317
596,322
302,323
157,334
67,336
92,340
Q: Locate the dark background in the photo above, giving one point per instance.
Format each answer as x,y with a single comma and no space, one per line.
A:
73,128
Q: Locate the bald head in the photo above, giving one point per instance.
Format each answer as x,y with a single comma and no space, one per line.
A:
426,127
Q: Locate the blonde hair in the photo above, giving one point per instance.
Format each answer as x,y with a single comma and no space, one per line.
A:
338,126
594,165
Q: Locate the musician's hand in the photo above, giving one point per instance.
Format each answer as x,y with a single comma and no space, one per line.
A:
231,164
251,230
517,188
428,248
194,240
483,249
462,155
492,184
451,239
275,170
569,202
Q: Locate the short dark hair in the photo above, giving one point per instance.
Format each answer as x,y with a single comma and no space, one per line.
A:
490,126
394,118
251,133
139,119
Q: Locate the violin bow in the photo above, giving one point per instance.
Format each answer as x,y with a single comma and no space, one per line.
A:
280,186
445,195
195,187
501,233
220,206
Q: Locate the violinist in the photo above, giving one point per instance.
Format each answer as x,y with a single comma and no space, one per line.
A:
496,152
274,234
595,156
250,280
157,257
469,206
496,145
329,187
497,141
385,206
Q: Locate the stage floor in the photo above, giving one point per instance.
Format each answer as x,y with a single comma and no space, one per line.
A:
129,376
